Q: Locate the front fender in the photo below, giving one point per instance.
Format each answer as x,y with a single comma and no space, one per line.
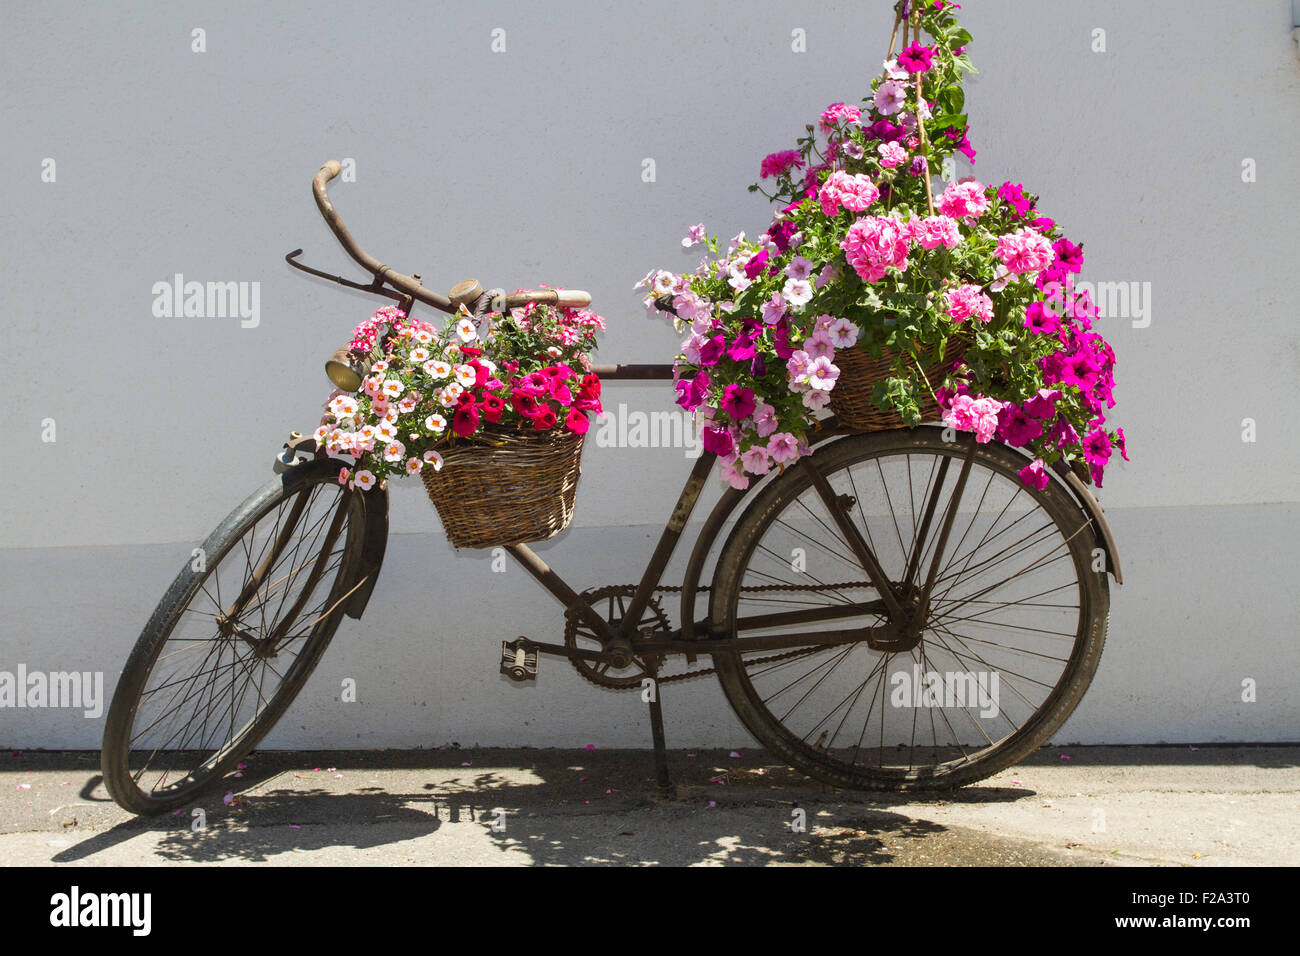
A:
375,503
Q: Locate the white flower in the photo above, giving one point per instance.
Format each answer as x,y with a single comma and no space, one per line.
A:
435,423
797,291
343,407
423,337
843,333
392,387
364,480
385,431
433,458
413,466
465,329
437,369
466,375
663,283
448,396
419,355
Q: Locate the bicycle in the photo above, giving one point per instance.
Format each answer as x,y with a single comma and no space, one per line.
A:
865,563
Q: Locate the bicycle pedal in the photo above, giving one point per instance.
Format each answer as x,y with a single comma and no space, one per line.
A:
519,660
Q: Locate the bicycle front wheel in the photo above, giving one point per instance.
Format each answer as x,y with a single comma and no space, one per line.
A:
1016,618
234,639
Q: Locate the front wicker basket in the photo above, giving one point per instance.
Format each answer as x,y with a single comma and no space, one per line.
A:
851,397
514,487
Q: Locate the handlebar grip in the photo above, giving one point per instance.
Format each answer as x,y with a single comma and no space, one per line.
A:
564,298
331,168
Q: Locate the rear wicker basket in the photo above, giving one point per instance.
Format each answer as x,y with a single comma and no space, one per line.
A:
851,397
513,487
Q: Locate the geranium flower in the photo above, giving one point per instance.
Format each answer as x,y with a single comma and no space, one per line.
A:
968,301
774,164
1024,251
963,200
891,155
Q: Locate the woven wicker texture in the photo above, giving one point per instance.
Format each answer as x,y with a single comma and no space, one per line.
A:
519,488
851,397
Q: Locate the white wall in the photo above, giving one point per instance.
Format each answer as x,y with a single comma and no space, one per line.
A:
525,167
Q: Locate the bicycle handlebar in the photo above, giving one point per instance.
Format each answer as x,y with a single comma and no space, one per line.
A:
466,293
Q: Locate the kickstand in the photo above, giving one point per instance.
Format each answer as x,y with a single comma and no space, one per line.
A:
666,788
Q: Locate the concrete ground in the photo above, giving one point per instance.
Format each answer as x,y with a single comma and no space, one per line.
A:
1074,806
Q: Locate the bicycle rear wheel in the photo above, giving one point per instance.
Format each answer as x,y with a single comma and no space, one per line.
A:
1014,632
234,639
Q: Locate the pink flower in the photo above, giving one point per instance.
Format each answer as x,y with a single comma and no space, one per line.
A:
875,244
733,474
964,201
837,113
774,164
968,301
979,415
843,334
855,193
934,231
755,460
1035,475
891,155
1025,251
783,447
889,97
764,420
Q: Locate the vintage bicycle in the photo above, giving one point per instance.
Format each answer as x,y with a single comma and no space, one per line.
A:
896,611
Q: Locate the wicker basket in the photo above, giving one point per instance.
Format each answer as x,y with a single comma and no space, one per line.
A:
514,487
851,397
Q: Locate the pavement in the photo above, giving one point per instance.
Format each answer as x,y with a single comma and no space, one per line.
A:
1185,806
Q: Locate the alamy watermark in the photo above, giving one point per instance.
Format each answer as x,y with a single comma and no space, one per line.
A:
1114,300
620,428
38,689
966,689
208,300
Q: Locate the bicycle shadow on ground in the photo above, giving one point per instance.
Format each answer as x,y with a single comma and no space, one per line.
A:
563,808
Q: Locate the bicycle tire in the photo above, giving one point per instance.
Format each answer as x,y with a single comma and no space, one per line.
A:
304,500
869,768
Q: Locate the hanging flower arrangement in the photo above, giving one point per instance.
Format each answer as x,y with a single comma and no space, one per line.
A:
962,304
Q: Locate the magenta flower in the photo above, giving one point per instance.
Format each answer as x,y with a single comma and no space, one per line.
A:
916,58
756,265
1035,475
738,401
1096,447
1068,255
718,441
1040,318
1015,427
774,164
690,392
1043,405
711,350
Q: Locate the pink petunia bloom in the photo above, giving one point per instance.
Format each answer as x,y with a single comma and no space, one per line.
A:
783,447
916,58
1035,475
765,422
889,97
756,461
733,474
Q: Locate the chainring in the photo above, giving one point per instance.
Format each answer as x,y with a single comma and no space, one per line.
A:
614,598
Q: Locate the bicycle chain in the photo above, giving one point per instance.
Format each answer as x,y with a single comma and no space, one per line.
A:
771,658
